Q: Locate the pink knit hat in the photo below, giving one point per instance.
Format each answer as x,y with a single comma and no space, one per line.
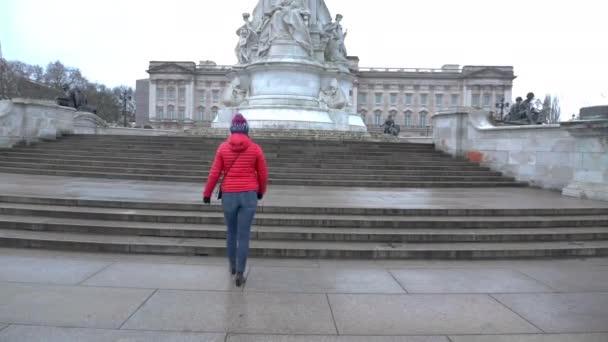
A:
239,124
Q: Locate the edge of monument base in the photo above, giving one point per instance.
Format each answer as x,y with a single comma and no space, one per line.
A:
311,119
587,190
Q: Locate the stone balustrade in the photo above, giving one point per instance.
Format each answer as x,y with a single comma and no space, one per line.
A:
571,157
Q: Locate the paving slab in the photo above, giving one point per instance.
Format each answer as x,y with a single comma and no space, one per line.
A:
20,333
254,313
467,281
571,279
292,338
68,306
533,338
165,276
561,312
316,280
424,315
47,271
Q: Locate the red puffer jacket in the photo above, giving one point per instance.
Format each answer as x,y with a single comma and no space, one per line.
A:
247,172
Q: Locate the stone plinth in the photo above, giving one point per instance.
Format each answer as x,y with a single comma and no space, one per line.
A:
591,132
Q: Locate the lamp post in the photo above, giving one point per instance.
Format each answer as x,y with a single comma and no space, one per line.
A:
124,97
502,105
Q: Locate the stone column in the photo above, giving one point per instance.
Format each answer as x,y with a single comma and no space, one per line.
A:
190,100
355,98
152,100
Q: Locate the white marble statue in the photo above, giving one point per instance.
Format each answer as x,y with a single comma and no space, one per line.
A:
234,94
332,96
335,50
287,20
247,40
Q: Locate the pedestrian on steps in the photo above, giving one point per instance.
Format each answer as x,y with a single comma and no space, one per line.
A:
243,165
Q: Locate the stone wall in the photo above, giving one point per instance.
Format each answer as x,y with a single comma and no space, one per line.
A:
28,121
572,157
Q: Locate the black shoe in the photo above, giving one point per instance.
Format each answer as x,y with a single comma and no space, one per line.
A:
232,271
240,279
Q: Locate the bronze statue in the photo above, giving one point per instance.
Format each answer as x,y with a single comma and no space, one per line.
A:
390,127
525,112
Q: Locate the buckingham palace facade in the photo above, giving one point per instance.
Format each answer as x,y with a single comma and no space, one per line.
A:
185,93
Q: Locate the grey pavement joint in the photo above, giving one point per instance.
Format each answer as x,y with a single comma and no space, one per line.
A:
167,276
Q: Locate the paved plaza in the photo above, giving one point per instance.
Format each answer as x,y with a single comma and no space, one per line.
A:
65,297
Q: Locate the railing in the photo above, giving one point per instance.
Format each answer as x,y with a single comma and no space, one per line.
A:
419,70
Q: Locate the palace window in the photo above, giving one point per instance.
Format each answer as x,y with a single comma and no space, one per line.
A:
362,98
408,99
181,114
160,113
475,100
181,93
487,98
378,118
201,113
378,98
393,99
408,119
201,96
171,93
424,99
422,119
438,100
216,96
160,94
171,113
214,112
454,101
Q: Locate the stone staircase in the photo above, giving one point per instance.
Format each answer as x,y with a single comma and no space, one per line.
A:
312,232
287,230
302,162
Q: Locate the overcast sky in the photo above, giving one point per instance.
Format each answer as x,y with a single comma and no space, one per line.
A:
557,47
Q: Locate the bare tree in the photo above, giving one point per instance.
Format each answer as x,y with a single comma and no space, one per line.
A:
554,111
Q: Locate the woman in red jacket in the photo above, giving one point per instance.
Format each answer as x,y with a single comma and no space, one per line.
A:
245,180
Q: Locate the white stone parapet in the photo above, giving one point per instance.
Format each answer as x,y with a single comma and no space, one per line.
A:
29,121
571,157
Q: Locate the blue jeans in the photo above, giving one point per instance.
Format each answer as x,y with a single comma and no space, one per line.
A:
239,210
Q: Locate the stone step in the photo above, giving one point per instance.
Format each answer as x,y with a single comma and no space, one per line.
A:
198,166
354,159
310,249
146,204
213,145
394,165
458,183
405,176
304,233
305,220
